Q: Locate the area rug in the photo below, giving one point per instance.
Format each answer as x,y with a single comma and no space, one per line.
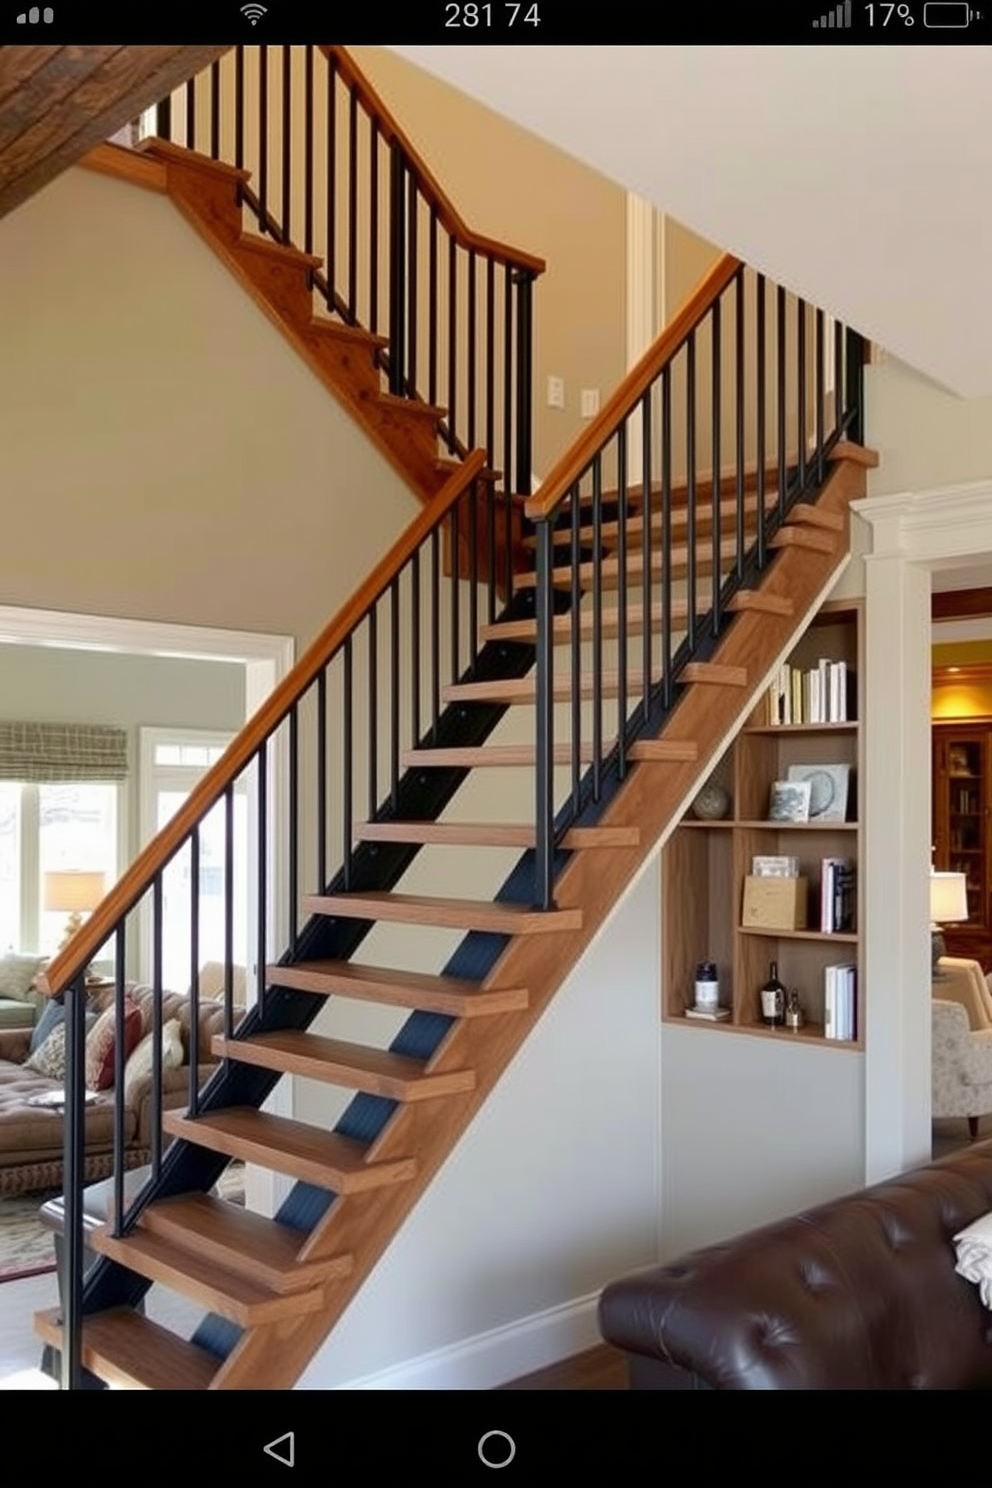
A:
27,1248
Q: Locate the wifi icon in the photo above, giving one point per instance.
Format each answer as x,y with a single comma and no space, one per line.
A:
254,13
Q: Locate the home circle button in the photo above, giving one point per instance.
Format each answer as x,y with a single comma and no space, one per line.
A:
497,1448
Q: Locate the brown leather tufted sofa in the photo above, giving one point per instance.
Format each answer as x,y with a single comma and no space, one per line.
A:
860,1293
31,1138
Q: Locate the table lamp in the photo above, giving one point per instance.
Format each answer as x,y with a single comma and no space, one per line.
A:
948,903
74,891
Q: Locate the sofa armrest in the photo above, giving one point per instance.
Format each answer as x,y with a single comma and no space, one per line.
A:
978,1060
175,1093
15,1044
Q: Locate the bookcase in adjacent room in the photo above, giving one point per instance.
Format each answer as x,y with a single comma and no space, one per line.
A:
705,862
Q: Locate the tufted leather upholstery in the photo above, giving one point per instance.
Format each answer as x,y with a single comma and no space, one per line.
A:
860,1293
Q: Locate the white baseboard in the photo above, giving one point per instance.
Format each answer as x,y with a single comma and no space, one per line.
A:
492,1358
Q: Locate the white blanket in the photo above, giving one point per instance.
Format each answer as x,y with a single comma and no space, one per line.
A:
974,1250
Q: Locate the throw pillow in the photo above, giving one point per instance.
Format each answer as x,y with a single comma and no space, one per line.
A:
17,974
101,1041
52,1015
139,1065
49,1059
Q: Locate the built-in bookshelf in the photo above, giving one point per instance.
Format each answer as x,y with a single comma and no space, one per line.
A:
705,863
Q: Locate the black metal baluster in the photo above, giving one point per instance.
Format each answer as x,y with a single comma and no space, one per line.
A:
294,821
73,1177
353,203
163,120
215,109
575,650
597,622
239,107
854,377
156,1028
120,1145
452,340
287,145
801,389
622,500
194,972
507,380
760,440
261,907
308,109
473,561
819,395
331,205
373,692
322,779
432,308
435,630
647,554
780,400
415,647
191,114
716,351
455,594
374,225
524,391
347,764
411,254
228,911
666,533
544,804
490,358
397,269
472,350
740,516
690,495
839,384
490,499
394,692
263,134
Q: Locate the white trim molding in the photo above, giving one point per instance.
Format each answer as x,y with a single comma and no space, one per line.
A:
914,534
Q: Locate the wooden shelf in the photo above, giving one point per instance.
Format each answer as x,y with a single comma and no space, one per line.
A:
705,863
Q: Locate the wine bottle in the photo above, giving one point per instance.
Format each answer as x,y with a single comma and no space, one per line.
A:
773,999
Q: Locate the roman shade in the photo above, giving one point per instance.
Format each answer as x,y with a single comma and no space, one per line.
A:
56,752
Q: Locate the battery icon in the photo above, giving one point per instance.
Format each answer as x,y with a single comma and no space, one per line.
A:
945,15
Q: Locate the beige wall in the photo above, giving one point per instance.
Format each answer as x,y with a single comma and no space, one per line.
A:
924,435
164,453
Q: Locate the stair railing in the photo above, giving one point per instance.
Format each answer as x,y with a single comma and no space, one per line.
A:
726,423
326,748
333,173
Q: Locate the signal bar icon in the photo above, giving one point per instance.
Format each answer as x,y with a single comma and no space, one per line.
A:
34,15
838,19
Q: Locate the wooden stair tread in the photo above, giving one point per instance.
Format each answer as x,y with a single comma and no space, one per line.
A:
760,601
450,914
713,673
412,405
817,540
340,330
237,1238
124,1349
434,994
231,1294
447,466
816,516
609,567
256,243
609,531
490,834
513,755
356,1066
563,625
524,689
325,1159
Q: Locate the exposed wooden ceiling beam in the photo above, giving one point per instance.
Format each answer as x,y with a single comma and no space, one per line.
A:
58,102
961,604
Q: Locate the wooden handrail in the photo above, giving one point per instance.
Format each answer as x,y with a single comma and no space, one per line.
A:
623,402
80,951
433,191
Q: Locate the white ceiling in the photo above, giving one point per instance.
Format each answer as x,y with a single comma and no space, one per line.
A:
861,177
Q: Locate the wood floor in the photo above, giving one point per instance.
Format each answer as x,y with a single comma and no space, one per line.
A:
599,1368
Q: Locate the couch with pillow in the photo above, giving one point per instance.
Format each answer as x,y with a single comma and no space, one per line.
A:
888,1288
32,1072
20,1002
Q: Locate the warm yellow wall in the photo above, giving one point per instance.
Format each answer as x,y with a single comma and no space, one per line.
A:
962,700
164,453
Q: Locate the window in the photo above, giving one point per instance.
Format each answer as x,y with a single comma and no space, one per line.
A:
45,827
172,762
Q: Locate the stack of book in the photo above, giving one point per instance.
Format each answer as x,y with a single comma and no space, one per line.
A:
822,694
837,896
839,986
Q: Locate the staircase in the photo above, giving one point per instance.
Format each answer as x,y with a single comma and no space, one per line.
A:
623,634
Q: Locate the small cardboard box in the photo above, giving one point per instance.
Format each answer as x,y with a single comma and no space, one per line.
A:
774,903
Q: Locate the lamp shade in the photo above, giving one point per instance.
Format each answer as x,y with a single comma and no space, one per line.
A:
948,898
72,890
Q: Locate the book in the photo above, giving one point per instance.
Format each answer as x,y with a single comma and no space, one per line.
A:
839,1021
708,1015
774,865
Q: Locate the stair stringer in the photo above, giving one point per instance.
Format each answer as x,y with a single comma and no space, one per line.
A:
653,797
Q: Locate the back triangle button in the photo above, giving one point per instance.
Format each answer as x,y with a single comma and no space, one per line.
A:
283,1449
